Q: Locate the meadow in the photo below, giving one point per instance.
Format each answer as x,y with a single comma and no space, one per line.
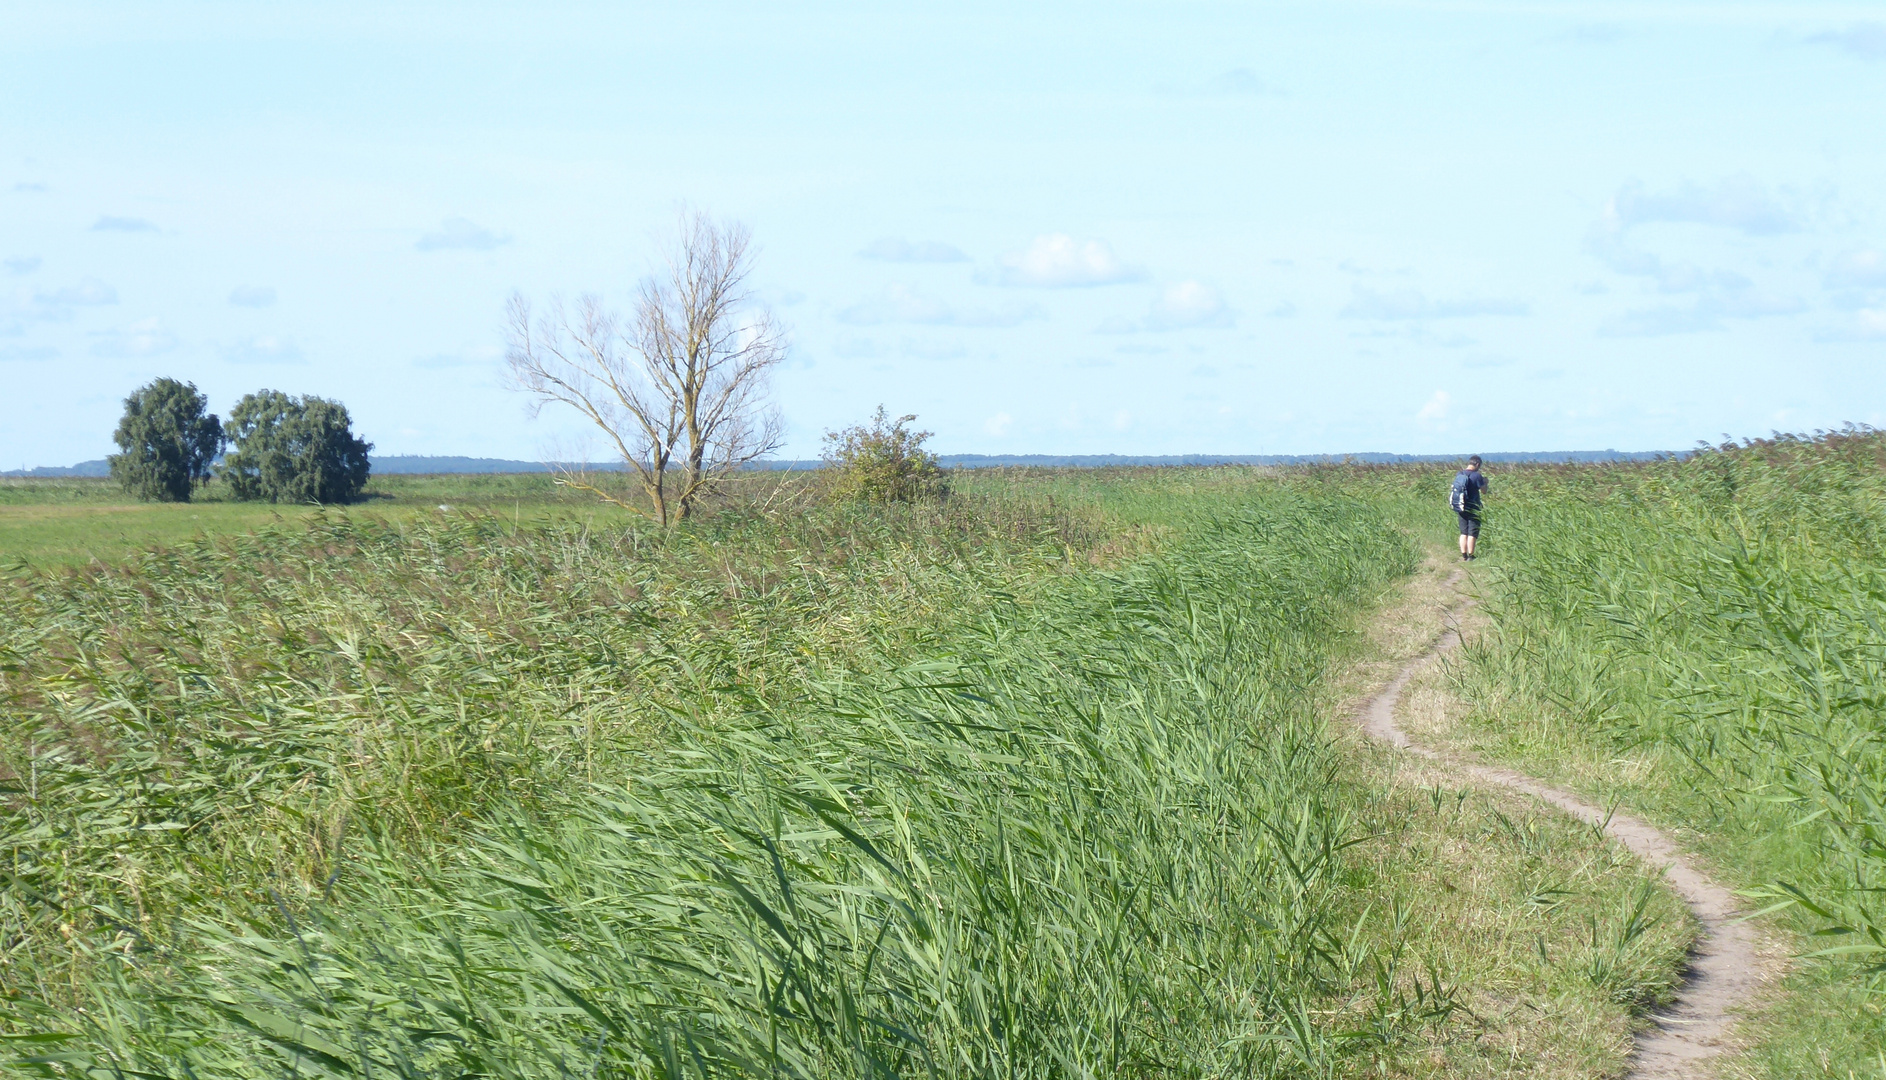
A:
72,521
1046,779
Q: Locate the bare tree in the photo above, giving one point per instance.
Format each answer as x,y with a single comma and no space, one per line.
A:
680,385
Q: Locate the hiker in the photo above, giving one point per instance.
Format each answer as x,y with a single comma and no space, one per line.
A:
1469,484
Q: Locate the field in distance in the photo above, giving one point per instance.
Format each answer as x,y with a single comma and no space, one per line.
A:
70,521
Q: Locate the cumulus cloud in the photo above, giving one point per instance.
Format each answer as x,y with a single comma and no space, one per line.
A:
1866,40
263,350
1058,261
27,352
1435,412
252,296
900,303
25,264
1182,306
88,292
998,424
122,224
1864,269
1365,303
894,249
459,233
1188,304
1737,202
146,337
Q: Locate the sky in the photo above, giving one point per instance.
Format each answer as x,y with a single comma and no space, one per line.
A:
1150,228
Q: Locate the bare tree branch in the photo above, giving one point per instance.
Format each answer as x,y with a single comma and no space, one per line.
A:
682,384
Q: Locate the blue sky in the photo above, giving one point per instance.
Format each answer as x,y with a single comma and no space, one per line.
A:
1077,228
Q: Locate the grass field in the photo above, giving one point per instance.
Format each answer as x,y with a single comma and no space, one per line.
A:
1045,780
69,522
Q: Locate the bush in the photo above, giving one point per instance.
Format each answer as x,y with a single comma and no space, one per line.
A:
883,461
167,441
294,450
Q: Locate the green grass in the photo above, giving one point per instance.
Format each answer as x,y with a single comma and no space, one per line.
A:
1037,782
825,791
71,522
1701,641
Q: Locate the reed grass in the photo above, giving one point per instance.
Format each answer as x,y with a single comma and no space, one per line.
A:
1030,784
1701,639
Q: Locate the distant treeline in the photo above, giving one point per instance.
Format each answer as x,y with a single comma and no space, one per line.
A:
409,464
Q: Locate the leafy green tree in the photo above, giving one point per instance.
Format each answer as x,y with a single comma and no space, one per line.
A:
166,441
291,449
883,461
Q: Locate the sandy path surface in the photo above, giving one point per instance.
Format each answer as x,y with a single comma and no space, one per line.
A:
1727,967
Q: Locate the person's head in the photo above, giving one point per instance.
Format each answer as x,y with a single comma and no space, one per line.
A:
1473,462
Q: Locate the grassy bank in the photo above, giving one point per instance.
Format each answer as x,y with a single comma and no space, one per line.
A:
1700,641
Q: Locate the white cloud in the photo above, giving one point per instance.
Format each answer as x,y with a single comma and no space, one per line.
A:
894,249
900,303
1187,304
263,350
1368,303
1122,420
252,296
1183,306
122,224
460,233
25,264
88,292
1737,202
1858,269
27,352
1059,261
1867,324
998,424
1866,40
1722,295
146,337
1435,412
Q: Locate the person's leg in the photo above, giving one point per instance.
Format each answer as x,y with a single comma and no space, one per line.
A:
1466,542
1472,537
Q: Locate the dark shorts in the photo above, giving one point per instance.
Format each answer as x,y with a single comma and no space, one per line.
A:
1469,522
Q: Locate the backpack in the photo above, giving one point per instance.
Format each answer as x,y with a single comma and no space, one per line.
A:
1457,497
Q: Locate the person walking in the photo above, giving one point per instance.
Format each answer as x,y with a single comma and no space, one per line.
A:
1469,485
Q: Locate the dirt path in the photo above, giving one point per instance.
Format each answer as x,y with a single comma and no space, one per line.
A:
1727,967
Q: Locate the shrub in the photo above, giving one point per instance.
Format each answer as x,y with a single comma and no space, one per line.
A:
294,450
167,441
883,461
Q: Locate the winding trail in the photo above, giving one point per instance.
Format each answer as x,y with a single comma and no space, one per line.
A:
1726,967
